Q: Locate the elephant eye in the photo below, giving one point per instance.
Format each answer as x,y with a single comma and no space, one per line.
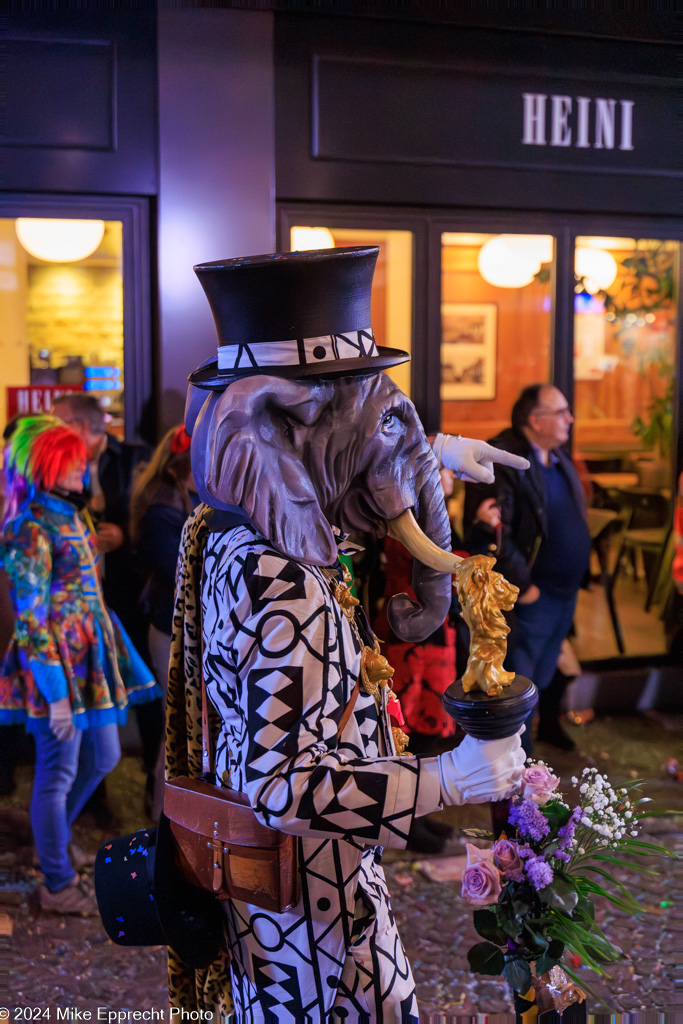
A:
389,421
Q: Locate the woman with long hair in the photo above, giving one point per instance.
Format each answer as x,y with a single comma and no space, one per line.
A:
71,670
161,501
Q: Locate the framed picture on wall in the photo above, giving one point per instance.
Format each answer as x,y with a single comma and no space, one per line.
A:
468,350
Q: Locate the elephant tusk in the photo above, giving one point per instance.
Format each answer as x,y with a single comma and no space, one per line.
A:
406,529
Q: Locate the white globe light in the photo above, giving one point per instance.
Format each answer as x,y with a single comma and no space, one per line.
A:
504,266
311,238
538,247
59,241
599,267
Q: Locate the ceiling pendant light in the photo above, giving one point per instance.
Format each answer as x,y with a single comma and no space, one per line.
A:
303,239
597,268
503,265
59,241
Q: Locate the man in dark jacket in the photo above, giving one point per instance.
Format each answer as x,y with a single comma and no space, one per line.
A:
542,545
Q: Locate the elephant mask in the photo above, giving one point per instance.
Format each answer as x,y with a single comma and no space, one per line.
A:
301,457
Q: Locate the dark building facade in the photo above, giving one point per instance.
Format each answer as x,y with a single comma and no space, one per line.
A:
458,142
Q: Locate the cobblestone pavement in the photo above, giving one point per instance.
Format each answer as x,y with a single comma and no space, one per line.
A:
60,962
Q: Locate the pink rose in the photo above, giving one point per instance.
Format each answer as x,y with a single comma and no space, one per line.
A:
506,854
481,878
538,783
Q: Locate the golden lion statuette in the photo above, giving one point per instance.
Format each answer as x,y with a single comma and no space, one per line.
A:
484,595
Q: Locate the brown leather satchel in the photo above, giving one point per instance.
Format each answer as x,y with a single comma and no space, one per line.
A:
222,847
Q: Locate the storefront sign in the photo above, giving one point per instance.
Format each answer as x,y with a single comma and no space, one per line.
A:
35,398
389,113
578,121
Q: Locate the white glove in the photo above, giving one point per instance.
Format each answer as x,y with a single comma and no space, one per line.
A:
62,720
481,770
472,460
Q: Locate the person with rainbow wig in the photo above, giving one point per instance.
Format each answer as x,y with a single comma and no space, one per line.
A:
70,670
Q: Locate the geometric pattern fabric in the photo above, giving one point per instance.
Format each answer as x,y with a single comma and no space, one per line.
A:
280,664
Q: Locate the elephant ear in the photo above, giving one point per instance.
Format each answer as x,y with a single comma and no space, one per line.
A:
247,452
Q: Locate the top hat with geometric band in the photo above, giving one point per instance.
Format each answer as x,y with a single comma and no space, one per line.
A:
293,314
144,899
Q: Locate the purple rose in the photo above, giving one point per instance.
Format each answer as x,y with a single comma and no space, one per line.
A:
538,783
481,878
506,855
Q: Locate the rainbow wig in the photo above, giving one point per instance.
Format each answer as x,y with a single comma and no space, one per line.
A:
41,450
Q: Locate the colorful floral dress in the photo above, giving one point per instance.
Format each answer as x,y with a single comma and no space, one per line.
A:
66,642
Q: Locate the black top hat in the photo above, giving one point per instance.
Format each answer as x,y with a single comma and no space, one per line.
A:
144,900
293,314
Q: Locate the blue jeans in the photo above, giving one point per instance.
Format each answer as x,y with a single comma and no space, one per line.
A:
541,628
67,774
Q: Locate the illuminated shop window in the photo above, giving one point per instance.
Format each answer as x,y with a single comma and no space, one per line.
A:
625,320
495,326
61,313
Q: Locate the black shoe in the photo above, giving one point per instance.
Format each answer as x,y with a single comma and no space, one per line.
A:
553,734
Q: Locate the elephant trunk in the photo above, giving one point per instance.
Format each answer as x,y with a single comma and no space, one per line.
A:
428,539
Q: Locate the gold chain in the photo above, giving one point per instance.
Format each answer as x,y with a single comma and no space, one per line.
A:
376,673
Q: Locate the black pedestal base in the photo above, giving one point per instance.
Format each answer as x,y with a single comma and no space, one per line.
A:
491,718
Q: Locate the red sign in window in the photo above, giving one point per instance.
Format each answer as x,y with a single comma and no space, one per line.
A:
36,398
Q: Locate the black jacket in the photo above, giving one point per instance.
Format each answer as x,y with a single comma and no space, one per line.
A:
521,497
122,582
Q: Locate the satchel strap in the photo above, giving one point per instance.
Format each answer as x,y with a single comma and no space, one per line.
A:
349,708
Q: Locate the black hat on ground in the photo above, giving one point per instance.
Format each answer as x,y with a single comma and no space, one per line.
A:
144,899
294,315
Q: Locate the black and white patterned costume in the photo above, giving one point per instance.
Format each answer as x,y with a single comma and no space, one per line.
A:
280,663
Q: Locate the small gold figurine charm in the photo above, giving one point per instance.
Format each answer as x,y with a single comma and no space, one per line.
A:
375,670
347,601
401,740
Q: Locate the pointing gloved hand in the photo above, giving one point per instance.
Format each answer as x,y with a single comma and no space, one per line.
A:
481,770
62,719
472,460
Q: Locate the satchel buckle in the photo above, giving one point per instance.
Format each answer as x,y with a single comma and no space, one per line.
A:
217,859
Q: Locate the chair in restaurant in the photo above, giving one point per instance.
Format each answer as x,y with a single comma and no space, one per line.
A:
610,547
647,533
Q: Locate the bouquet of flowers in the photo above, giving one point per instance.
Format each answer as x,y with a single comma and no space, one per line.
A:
533,890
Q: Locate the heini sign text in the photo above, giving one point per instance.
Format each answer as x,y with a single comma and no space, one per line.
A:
578,121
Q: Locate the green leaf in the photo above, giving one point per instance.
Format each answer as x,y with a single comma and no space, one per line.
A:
636,844
488,926
545,963
622,862
585,908
517,973
574,943
537,942
476,833
622,888
556,813
485,958
560,894
521,908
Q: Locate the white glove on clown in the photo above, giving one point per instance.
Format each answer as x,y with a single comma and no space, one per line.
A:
472,460
62,720
481,770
